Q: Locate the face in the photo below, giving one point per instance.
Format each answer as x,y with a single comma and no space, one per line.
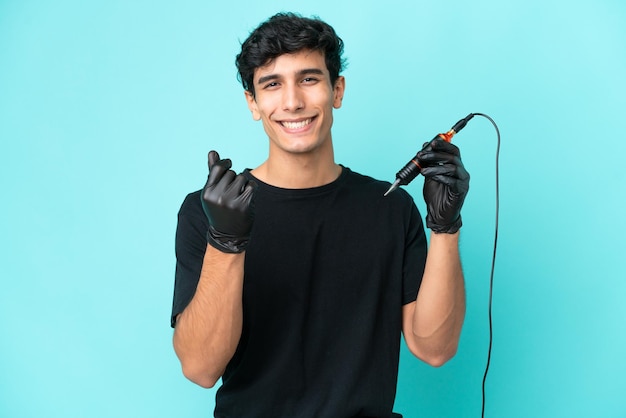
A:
294,99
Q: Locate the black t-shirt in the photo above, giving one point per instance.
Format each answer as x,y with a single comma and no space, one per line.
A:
327,271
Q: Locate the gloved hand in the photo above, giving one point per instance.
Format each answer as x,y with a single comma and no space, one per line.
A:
228,202
445,186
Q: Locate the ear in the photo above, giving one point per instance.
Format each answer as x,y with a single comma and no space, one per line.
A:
338,90
252,105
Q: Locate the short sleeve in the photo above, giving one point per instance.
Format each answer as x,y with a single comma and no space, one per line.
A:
190,247
415,252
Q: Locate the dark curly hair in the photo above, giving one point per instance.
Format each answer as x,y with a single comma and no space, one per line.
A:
288,33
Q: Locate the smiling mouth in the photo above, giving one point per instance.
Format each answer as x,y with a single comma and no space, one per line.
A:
296,125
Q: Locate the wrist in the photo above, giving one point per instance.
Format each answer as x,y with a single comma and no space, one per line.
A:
226,243
445,237
449,243
438,228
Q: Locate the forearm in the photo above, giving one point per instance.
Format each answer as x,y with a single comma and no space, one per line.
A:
208,330
439,310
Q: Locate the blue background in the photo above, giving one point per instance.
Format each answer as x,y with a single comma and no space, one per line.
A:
107,111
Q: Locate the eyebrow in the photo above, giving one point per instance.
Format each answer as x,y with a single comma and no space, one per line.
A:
300,73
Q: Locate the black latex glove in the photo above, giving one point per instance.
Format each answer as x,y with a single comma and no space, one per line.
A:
228,202
446,183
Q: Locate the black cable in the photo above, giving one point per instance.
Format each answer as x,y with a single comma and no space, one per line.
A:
493,260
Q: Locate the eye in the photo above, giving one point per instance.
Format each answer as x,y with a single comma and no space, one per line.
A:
310,80
271,85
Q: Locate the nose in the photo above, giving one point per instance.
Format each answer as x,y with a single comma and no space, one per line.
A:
292,98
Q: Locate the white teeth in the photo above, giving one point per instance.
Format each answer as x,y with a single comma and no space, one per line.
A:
296,125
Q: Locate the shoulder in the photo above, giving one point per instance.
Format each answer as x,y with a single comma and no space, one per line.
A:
191,201
192,225
191,208
375,189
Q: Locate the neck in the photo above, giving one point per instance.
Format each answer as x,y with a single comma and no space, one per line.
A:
298,171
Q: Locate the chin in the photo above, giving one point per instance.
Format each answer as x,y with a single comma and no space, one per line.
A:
300,147
305,149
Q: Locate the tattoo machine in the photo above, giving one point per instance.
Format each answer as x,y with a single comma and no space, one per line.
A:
412,168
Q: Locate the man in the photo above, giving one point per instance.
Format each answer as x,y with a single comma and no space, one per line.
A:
295,280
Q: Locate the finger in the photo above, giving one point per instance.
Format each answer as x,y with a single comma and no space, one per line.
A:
428,158
252,185
462,173
227,178
455,177
213,158
438,144
447,180
238,184
448,170
218,170
247,195
455,171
